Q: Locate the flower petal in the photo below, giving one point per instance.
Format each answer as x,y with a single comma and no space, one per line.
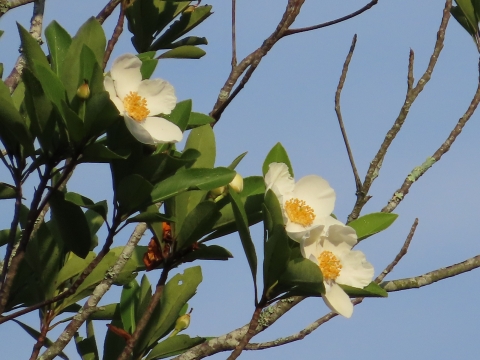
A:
342,235
317,193
278,179
126,74
110,87
338,301
356,270
161,130
138,131
160,96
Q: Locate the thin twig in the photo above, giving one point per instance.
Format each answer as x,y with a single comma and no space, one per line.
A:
90,305
234,41
116,35
358,182
248,335
400,255
411,95
36,23
418,171
332,22
251,61
107,10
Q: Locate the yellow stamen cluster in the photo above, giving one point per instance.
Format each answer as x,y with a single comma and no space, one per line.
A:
299,212
329,265
136,106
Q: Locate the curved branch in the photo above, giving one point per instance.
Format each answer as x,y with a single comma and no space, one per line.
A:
412,94
333,22
417,172
6,5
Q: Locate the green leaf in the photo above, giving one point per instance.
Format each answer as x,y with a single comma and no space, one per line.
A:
58,41
5,236
199,119
244,232
80,200
173,346
100,114
188,40
277,254
183,52
188,20
197,223
90,34
176,293
212,252
469,12
274,210
99,153
149,217
237,160
129,300
73,266
72,224
87,348
302,277
7,191
277,154
191,179
132,192
31,49
203,140
371,290
371,224
181,114
35,335
148,64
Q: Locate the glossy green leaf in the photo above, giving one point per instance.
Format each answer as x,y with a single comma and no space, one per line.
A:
189,40
113,344
183,52
99,153
5,236
51,84
244,233
371,224
237,160
72,224
58,41
203,140
197,223
181,114
87,347
176,293
191,179
188,21
129,300
469,12
80,200
132,192
276,257
371,290
277,154
36,334
7,191
199,119
73,266
149,64
173,346
212,252
31,49
100,114
74,124
302,277
274,210
149,217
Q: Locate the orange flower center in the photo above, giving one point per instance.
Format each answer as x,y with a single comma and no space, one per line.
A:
329,265
299,212
136,106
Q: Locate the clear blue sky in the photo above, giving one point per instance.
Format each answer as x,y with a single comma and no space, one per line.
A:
290,99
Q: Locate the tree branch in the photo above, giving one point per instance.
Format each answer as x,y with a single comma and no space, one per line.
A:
107,10
6,5
412,94
116,34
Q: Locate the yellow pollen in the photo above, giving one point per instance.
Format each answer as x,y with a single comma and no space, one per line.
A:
299,212
136,106
329,265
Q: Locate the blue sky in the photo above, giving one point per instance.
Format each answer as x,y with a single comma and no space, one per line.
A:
290,99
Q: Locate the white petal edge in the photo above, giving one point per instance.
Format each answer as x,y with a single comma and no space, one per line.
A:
126,74
110,87
317,193
160,96
278,179
338,301
138,131
162,130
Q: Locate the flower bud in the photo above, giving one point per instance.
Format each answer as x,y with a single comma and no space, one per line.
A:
181,324
83,91
237,183
217,192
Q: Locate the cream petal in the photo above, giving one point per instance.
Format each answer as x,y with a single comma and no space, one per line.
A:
160,96
342,235
338,301
162,131
110,87
126,74
309,245
138,131
356,270
317,193
278,179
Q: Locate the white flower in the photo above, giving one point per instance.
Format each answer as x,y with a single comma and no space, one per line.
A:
331,249
306,204
138,100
